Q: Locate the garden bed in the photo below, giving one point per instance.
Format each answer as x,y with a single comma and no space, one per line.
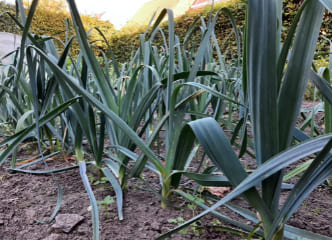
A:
27,199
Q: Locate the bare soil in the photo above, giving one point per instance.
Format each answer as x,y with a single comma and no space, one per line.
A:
27,199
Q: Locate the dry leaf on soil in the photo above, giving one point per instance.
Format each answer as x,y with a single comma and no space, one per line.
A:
219,191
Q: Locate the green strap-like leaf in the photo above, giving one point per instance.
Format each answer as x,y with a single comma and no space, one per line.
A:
141,161
323,86
206,180
287,44
184,75
261,70
298,68
183,149
213,92
117,188
42,172
218,148
327,4
27,23
104,90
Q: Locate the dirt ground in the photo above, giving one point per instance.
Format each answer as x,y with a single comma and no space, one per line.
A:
26,199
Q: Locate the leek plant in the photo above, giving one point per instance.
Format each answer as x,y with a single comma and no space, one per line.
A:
123,116
26,87
117,106
47,99
168,85
275,92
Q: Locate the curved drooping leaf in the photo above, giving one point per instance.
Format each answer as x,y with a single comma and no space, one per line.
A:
115,63
206,180
184,75
217,146
213,92
94,206
323,86
215,143
117,188
314,175
42,172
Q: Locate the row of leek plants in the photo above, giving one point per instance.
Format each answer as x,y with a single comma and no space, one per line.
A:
275,92
161,82
172,84
168,84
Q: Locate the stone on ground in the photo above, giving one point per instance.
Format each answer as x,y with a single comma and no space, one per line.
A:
66,222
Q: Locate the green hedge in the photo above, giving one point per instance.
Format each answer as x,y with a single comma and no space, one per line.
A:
125,41
6,24
50,20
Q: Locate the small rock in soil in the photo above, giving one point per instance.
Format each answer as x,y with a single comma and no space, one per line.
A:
155,226
66,222
30,213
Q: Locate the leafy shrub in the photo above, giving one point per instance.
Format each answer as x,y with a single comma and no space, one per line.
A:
50,21
6,24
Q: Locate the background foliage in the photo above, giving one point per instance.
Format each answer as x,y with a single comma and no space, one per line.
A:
50,20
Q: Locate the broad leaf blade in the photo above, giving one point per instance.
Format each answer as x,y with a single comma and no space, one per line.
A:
298,67
220,151
183,149
261,70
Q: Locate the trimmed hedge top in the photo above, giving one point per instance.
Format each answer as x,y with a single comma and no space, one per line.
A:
125,41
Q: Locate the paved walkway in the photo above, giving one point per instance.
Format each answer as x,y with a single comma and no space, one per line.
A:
8,43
